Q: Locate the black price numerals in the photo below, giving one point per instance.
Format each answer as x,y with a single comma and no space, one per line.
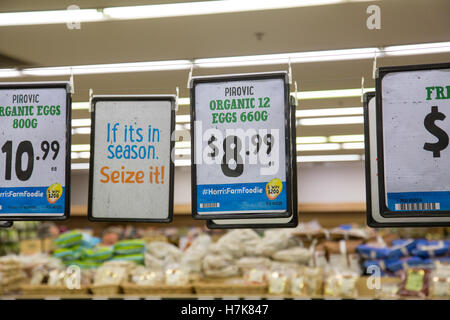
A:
232,164
26,148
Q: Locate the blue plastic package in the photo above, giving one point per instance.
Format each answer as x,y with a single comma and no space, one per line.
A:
372,252
401,248
430,249
404,263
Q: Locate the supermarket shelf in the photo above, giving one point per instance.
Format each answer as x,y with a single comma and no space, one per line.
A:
195,297
185,209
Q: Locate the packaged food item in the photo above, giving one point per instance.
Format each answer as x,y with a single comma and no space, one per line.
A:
220,266
249,263
430,249
256,275
192,257
138,258
348,232
147,277
274,241
300,255
403,263
164,251
176,276
307,282
126,247
278,282
341,284
98,254
401,248
110,275
415,283
373,251
69,239
440,280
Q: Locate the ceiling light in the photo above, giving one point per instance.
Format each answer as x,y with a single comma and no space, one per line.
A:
183,152
110,68
80,105
208,7
423,48
347,138
353,145
81,147
80,166
82,130
324,94
183,118
318,147
182,162
328,112
50,17
182,144
81,122
329,158
311,140
331,121
9,73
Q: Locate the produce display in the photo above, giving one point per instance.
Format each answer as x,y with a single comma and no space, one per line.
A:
306,261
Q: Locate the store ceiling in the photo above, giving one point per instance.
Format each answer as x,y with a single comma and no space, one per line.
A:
327,27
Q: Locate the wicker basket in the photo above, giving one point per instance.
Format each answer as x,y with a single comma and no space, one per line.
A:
46,290
105,290
136,289
227,288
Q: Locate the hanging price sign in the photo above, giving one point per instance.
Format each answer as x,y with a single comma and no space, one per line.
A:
35,131
131,173
241,147
413,122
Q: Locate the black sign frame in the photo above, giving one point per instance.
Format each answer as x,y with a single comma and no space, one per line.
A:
283,75
68,162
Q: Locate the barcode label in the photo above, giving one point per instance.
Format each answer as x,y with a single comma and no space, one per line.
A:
418,206
210,205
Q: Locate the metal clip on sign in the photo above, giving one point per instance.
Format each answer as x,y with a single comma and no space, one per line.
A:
289,71
72,85
374,67
189,84
177,89
295,95
362,89
91,93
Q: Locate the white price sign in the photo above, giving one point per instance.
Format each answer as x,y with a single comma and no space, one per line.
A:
131,172
240,127
409,138
35,124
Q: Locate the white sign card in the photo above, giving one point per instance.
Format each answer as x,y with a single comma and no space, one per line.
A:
131,169
241,157
6,224
35,155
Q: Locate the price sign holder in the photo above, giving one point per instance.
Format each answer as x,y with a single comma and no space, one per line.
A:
64,150
286,156
415,214
6,224
152,100
289,222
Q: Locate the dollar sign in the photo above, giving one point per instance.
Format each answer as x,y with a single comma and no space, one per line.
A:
211,144
442,143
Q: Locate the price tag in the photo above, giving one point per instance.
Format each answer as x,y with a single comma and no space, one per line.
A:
408,182
35,137
241,163
131,172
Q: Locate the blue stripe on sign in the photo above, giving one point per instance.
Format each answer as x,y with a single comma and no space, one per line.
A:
419,201
29,200
238,197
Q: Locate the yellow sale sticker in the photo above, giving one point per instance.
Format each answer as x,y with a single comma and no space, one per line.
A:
273,188
54,192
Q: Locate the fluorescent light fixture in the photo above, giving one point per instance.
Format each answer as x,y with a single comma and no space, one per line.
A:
49,17
74,155
9,73
109,68
182,144
80,166
182,162
81,122
347,138
423,48
284,58
82,130
183,118
353,145
311,139
325,94
184,126
328,112
80,147
183,101
318,147
208,7
329,158
80,105
331,121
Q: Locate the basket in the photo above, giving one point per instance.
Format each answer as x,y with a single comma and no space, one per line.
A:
222,287
136,289
47,290
105,289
